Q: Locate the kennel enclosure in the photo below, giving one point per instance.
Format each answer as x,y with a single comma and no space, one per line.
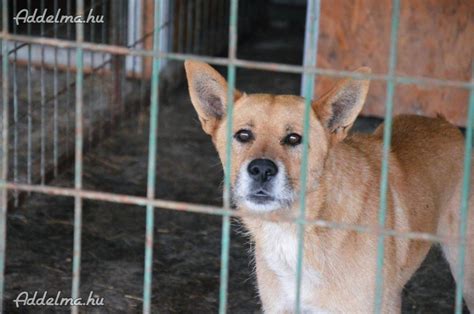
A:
142,42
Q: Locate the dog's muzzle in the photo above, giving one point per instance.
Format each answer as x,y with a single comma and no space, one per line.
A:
262,185
261,173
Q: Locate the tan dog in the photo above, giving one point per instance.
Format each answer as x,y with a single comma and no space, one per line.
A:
425,174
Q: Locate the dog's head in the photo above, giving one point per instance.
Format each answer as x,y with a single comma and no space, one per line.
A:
268,133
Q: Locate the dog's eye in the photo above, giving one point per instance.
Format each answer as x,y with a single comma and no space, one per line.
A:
292,139
244,136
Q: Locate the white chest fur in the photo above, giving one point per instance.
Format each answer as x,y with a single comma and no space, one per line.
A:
280,250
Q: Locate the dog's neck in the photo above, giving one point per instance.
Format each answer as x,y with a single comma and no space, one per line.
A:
337,193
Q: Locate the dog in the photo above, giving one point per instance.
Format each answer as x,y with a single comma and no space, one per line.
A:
343,185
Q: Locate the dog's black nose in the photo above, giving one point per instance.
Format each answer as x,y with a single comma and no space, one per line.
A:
262,170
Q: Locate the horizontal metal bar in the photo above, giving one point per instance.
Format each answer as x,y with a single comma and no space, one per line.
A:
216,210
267,66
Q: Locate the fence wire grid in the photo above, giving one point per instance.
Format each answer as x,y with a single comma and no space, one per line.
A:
92,51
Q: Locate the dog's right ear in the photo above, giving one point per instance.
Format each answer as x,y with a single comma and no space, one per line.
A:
339,107
208,91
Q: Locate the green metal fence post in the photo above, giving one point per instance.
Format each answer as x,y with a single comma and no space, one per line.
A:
311,52
466,185
4,155
76,263
152,146
387,134
228,157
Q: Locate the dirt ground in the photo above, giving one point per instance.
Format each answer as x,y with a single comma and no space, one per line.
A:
187,246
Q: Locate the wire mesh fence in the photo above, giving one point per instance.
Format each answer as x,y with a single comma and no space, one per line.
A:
112,60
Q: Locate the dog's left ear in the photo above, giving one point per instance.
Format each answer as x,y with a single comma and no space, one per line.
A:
208,91
338,108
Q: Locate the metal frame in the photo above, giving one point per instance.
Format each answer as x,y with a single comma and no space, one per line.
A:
309,71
